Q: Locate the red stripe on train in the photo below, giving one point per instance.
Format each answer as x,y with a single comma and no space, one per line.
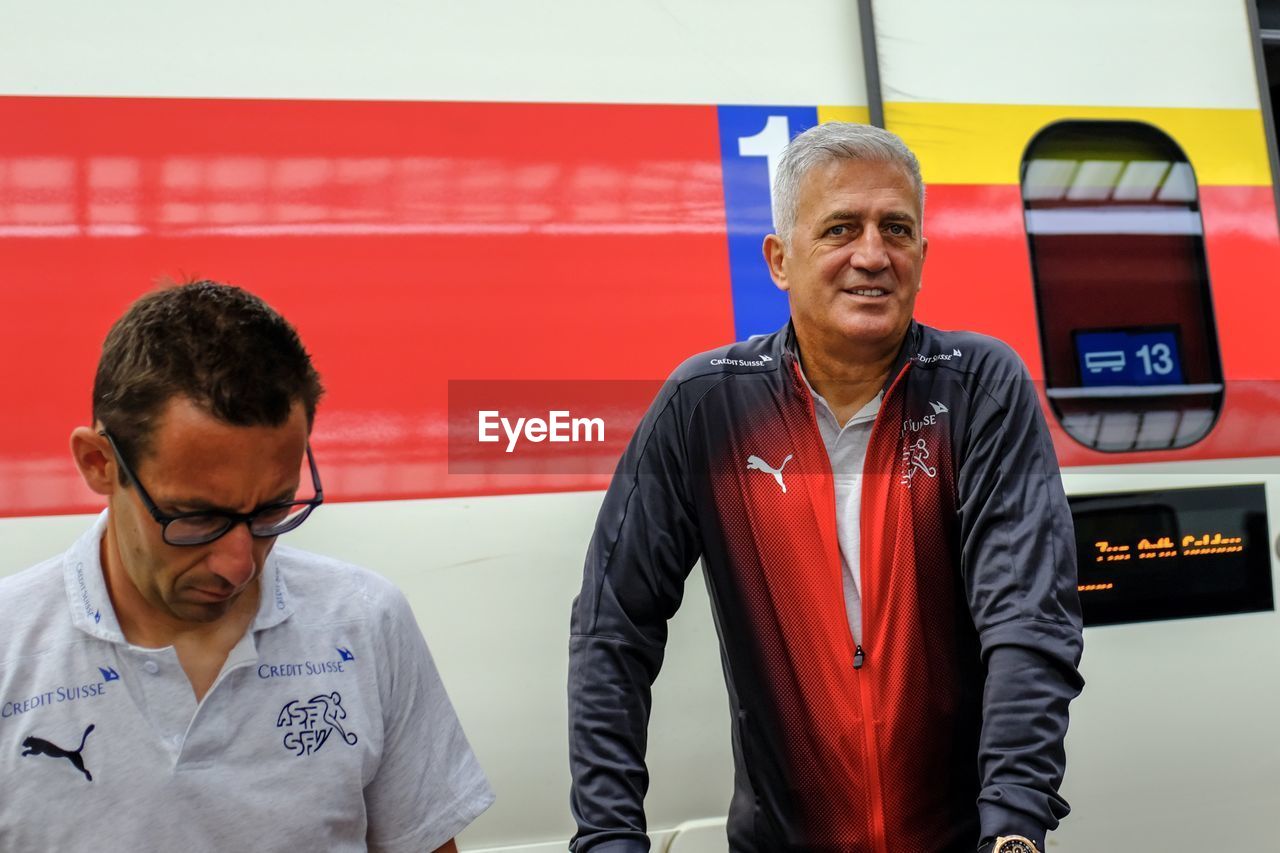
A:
411,243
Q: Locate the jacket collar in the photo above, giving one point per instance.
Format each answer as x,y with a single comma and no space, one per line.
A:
788,349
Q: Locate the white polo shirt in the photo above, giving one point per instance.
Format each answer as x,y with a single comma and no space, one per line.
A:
328,728
847,452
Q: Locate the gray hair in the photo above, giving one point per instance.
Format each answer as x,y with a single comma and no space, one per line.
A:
829,142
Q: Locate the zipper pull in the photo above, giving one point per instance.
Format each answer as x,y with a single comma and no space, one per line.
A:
858,657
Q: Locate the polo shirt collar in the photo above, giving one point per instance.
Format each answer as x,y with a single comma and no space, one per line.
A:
91,609
90,603
872,407
274,605
868,411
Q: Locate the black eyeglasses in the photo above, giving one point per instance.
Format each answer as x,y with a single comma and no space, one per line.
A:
204,526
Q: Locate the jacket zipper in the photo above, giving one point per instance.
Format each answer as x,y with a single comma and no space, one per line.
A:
871,749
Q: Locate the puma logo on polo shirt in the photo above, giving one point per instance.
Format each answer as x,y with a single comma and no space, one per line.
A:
40,746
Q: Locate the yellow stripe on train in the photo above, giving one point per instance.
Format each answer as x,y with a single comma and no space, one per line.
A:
984,143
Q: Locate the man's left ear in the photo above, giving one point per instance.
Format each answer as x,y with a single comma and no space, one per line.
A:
96,461
775,253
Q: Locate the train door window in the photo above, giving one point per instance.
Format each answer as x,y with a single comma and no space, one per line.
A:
1122,287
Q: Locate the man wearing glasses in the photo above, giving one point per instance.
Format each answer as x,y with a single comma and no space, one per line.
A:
176,682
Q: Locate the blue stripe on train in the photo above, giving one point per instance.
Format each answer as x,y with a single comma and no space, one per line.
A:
750,138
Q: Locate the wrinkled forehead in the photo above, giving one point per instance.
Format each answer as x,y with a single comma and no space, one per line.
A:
186,434
834,182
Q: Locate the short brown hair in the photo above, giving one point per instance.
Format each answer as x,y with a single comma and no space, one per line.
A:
217,345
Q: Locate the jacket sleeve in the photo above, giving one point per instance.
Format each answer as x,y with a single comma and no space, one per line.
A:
644,545
1019,564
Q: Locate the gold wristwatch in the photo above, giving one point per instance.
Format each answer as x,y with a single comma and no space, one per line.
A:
1014,844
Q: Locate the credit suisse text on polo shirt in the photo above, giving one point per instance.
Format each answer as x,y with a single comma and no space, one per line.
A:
51,697
84,691
292,670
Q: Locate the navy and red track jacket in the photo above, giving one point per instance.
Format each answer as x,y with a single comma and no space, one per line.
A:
946,724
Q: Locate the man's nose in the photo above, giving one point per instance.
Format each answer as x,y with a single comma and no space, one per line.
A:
232,557
869,252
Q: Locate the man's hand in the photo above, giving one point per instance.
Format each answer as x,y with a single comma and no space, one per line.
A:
447,847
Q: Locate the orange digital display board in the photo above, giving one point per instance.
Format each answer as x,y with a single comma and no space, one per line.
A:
1163,548
1172,554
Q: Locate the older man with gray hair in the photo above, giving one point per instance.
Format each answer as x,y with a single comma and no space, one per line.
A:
886,541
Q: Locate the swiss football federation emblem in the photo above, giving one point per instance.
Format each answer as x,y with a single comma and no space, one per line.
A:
915,460
309,724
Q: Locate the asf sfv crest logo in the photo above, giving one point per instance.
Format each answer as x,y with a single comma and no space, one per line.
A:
915,460
309,724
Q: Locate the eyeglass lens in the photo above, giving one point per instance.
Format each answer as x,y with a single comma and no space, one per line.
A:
196,529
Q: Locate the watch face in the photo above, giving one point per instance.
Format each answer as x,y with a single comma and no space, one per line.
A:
1015,846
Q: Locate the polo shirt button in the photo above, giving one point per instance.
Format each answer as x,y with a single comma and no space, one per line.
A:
151,667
